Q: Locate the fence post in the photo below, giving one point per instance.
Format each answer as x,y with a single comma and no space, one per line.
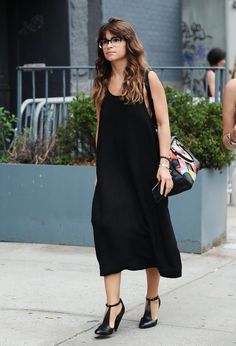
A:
217,85
19,99
222,83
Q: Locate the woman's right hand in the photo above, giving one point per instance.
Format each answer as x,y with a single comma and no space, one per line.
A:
165,178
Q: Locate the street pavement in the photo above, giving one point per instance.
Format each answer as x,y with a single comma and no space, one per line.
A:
52,295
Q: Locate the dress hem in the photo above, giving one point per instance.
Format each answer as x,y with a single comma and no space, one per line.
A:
163,273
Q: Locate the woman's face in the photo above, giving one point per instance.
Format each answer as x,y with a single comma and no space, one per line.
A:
114,47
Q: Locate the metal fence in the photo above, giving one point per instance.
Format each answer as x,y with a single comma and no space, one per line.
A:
44,115
43,95
44,92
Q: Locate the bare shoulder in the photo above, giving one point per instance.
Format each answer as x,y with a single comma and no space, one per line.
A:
210,74
154,80
230,86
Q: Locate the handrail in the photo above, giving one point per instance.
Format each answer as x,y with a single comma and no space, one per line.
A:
38,68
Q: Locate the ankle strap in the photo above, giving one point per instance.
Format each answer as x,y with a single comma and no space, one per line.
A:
112,305
153,299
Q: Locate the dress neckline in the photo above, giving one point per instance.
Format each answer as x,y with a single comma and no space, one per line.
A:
113,94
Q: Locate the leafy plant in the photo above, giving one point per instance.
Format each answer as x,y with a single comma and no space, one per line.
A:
199,126
7,129
77,140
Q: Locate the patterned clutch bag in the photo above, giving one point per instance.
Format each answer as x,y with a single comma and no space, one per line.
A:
183,165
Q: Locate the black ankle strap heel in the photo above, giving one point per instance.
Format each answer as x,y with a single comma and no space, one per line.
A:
153,299
147,321
112,305
104,329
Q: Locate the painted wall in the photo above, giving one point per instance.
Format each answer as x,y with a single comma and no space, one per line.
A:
52,204
32,32
4,79
199,215
203,28
46,204
231,30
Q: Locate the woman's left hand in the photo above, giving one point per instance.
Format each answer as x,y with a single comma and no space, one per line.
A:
164,176
233,134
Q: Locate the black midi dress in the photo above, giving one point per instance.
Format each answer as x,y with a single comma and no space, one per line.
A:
131,231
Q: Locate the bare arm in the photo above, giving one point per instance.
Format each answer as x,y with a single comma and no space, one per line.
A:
162,118
98,118
97,128
211,82
229,114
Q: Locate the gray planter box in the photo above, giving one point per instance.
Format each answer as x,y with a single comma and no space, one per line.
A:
199,215
46,203
52,204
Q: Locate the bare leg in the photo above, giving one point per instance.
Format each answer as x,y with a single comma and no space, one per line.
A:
153,279
112,286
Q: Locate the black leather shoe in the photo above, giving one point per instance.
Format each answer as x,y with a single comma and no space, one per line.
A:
104,329
147,321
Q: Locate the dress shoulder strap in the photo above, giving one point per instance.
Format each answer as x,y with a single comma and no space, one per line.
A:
149,95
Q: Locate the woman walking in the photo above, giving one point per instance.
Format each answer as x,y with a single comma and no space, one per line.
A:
131,231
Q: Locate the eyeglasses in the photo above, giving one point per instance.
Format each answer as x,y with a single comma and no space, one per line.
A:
115,41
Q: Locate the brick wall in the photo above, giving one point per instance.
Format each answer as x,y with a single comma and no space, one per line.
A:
157,23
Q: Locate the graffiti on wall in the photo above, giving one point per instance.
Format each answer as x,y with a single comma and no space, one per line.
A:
196,43
35,24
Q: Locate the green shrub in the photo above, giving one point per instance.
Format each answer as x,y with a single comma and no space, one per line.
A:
7,129
76,140
199,126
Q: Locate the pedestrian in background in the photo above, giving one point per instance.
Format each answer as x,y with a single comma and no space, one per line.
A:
229,115
216,58
131,231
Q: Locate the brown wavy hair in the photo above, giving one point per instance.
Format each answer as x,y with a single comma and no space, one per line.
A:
132,89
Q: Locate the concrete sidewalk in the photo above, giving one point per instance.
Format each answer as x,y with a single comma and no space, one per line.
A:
52,295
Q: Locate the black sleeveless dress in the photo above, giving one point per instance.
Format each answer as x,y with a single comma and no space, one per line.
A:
131,231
